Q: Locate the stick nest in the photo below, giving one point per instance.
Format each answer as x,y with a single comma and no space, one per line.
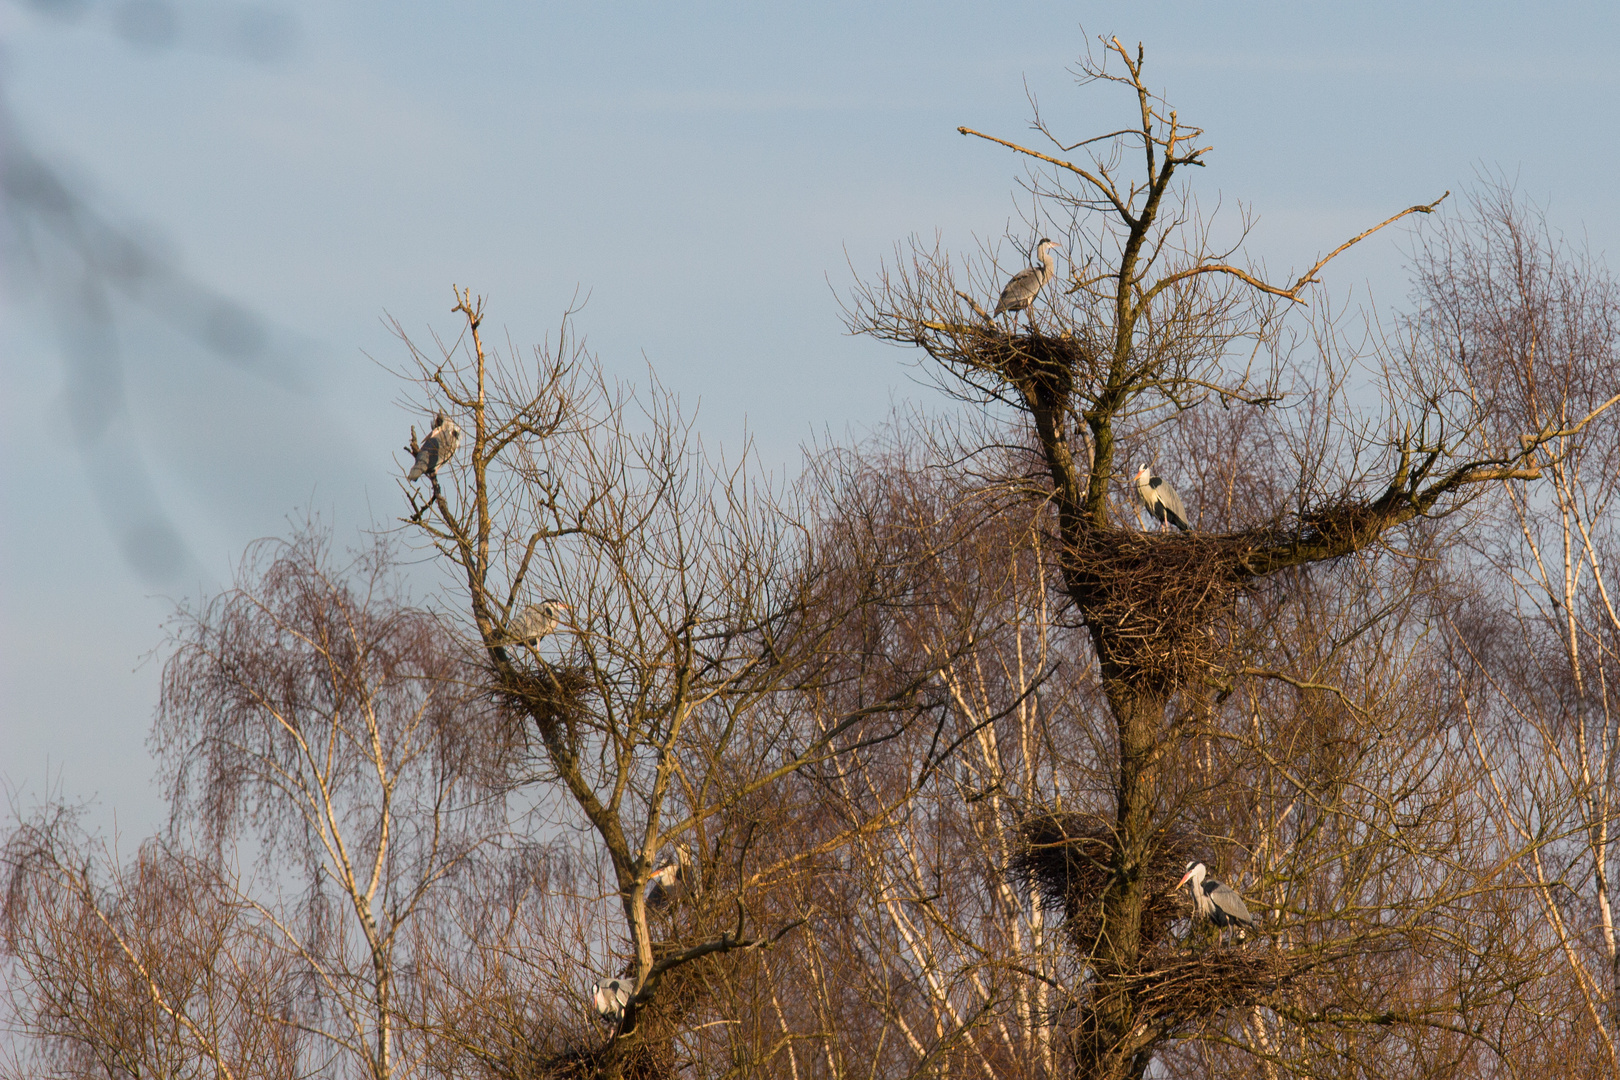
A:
649,1054
550,695
641,1062
1180,988
553,697
1152,599
1038,365
1068,859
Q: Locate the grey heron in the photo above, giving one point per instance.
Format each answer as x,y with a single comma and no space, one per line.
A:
438,448
1161,500
1218,903
538,620
1025,285
669,881
610,999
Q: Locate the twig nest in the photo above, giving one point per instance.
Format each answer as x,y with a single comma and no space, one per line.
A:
1184,987
1150,597
551,694
1068,859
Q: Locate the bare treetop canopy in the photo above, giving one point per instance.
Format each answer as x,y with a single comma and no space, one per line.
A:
903,769
1159,332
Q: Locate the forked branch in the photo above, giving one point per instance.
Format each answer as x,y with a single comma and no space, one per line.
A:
1308,278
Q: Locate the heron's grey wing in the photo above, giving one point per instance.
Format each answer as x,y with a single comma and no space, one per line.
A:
449,439
1171,502
427,458
1019,291
518,629
536,622
1227,899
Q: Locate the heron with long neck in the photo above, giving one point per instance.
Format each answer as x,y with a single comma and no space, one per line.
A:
1218,903
1027,284
538,620
610,999
1161,500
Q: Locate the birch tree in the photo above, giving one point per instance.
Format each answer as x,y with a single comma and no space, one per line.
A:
313,716
1539,326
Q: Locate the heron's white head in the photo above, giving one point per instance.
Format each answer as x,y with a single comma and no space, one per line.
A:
1144,474
1195,870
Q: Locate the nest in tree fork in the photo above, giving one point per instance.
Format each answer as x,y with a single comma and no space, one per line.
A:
551,695
1181,988
650,1055
1039,366
1151,599
641,1062
1068,859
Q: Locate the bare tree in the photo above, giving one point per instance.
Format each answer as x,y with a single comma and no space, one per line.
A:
156,969
1536,328
718,645
892,772
1154,324
315,713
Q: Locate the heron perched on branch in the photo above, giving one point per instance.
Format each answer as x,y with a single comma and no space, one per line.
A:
1218,903
1161,499
438,448
538,620
1027,284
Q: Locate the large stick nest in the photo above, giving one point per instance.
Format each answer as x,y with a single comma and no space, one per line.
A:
1152,600
550,695
1040,366
639,1062
1180,988
1068,859
648,1050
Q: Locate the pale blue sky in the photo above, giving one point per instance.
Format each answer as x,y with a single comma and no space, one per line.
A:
702,171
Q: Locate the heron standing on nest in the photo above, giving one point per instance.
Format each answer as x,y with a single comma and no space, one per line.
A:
1218,903
1026,285
610,999
1161,500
